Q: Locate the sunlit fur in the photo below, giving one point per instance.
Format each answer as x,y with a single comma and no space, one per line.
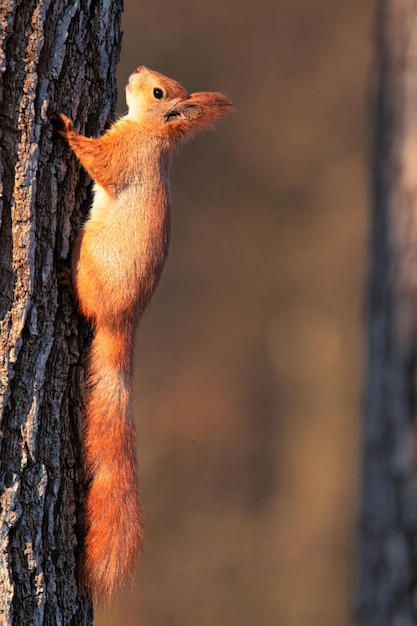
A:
117,262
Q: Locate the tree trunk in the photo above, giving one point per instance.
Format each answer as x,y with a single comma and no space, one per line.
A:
54,56
388,518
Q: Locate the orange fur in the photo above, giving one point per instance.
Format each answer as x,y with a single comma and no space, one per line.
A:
117,262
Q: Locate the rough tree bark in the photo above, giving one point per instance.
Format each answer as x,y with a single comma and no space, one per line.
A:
388,528
55,55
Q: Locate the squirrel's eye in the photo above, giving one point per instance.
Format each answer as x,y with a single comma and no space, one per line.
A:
158,93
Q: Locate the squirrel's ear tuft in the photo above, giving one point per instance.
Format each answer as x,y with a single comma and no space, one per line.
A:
201,110
204,108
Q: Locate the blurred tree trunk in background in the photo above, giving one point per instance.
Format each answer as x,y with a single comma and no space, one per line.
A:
54,56
388,524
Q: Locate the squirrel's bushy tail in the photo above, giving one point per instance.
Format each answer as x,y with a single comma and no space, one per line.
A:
113,512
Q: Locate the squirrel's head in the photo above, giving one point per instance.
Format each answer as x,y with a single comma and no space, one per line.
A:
162,103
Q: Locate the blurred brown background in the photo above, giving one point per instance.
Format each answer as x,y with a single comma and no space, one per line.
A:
250,357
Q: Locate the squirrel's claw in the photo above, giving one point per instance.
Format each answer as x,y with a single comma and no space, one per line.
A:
64,278
59,120
66,121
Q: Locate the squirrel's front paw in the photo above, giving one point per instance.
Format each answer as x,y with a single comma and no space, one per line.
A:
66,122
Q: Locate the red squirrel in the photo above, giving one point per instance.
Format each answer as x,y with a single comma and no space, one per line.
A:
116,264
